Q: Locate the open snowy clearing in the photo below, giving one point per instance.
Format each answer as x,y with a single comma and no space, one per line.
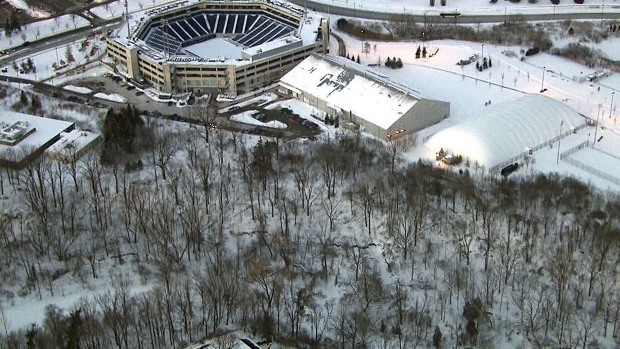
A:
509,78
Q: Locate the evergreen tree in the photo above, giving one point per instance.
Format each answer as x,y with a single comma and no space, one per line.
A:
23,98
336,122
31,333
490,64
478,65
14,66
14,23
388,62
35,103
69,55
358,59
485,64
418,52
399,63
29,64
437,337
74,330
424,52
7,28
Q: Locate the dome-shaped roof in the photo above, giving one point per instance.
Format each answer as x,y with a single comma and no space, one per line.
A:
506,130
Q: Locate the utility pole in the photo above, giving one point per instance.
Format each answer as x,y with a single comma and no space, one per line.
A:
127,19
611,108
596,129
559,141
542,85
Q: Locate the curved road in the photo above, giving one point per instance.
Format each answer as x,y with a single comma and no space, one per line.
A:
433,15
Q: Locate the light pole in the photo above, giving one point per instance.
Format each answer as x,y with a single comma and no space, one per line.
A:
559,141
542,85
596,125
362,32
482,58
611,108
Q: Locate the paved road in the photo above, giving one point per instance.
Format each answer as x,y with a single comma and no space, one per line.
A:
464,18
58,40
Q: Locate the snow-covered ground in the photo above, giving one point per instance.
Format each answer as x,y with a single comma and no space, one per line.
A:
43,29
31,10
468,90
117,8
438,77
246,118
83,52
259,100
111,97
483,7
78,89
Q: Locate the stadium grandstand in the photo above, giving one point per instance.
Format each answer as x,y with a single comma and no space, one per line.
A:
213,46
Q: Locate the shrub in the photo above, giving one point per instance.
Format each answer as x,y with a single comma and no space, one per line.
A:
532,51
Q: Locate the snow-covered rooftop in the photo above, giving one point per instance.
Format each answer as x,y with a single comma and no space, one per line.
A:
351,87
71,143
507,130
223,50
44,130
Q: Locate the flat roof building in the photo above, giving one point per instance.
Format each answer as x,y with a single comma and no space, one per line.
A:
380,106
24,137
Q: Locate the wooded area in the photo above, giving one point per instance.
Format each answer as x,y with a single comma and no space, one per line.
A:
332,244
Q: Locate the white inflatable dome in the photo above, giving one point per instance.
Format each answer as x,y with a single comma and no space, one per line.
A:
507,130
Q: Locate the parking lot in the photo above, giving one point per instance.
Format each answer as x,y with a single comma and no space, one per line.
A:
296,126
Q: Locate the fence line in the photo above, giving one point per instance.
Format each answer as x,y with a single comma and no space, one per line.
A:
514,159
565,156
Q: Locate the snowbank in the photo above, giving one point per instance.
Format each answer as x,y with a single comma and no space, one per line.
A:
111,97
78,89
246,118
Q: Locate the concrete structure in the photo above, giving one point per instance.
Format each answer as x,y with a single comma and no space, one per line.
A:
216,46
508,132
73,145
24,137
381,107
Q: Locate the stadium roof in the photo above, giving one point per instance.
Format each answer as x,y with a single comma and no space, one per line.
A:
507,130
217,51
349,86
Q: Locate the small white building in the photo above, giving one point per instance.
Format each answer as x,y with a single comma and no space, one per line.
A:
24,137
381,107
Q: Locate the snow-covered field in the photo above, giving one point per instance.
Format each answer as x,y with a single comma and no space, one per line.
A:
468,90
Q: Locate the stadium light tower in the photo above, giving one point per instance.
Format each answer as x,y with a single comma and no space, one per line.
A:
127,19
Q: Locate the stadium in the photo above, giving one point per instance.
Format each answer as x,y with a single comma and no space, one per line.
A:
212,46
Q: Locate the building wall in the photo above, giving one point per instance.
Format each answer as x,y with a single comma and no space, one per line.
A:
423,114
172,77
